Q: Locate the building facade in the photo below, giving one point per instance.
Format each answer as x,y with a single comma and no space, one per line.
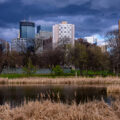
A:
38,29
19,44
44,35
44,32
103,48
46,28
27,30
63,33
4,46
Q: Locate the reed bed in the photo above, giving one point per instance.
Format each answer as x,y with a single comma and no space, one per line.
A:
47,110
113,89
70,80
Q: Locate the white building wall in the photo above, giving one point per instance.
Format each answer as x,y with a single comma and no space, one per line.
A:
63,31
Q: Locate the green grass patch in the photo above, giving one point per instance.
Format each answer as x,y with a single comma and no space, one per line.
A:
53,75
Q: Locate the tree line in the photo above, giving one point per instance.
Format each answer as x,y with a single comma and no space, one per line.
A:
82,56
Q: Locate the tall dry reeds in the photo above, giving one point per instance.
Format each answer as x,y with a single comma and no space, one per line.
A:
47,110
71,80
113,89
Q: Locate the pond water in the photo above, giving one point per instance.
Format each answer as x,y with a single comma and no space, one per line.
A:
17,95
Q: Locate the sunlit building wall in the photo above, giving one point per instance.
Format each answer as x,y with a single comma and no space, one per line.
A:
63,32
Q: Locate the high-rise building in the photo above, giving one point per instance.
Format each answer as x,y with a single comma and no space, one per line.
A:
38,29
27,30
63,33
44,32
44,35
46,28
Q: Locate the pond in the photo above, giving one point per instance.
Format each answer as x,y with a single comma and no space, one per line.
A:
17,95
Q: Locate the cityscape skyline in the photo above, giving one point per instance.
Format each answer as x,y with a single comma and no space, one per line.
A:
89,16
49,38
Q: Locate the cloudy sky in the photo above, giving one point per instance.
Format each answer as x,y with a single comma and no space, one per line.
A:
91,17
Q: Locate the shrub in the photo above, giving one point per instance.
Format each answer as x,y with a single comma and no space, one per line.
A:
58,70
73,71
30,68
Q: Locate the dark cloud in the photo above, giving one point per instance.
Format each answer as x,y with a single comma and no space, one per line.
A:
89,16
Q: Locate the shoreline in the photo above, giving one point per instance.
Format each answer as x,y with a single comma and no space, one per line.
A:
63,80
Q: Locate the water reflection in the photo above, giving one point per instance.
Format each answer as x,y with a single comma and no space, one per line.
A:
16,95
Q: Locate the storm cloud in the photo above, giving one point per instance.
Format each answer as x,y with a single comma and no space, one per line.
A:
90,17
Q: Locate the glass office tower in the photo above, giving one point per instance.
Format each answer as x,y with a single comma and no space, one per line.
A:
46,28
38,28
27,30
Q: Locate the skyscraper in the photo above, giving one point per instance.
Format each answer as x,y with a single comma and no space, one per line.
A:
63,33
27,30
38,28
44,34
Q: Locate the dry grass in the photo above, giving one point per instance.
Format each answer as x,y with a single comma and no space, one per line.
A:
72,80
116,107
113,89
47,110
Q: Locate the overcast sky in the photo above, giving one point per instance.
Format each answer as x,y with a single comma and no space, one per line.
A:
91,17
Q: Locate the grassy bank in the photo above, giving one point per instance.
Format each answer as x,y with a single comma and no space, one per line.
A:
62,80
61,73
47,110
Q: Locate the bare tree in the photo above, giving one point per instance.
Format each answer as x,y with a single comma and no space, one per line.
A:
1,61
113,39
65,44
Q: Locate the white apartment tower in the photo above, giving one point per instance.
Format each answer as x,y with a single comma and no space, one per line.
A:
63,33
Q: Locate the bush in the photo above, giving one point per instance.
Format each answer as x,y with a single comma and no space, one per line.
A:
30,68
58,70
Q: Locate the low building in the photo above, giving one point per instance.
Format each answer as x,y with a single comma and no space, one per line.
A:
103,48
47,44
44,35
4,46
19,44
